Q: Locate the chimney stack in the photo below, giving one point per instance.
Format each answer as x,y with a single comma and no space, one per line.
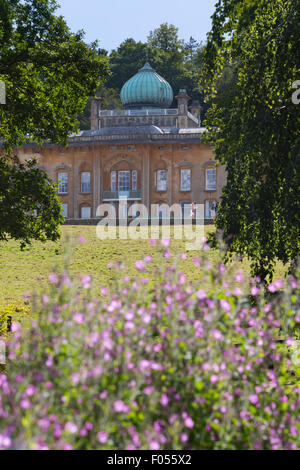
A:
195,109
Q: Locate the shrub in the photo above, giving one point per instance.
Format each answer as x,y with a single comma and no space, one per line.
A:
160,365
9,312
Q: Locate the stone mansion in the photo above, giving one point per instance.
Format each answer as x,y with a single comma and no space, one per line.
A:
148,153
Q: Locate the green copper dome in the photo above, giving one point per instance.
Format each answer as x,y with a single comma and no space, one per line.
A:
146,89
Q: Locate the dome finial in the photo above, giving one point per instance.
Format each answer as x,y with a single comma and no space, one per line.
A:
147,55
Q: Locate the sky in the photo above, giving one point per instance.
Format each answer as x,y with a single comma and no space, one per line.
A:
113,21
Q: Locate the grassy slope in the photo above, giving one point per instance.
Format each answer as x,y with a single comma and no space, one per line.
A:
19,270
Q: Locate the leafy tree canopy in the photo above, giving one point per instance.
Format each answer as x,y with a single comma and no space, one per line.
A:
255,128
49,73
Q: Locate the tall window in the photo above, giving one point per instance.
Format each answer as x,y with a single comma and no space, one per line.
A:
62,183
65,210
124,180
134,180
113,181
86,182
185,180
211,179
85,212
210,209
161,180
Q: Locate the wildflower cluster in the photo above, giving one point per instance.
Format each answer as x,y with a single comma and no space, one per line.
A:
155,365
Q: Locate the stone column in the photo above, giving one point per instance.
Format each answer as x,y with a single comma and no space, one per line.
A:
183,99
96,181
170,176
195,109
76,184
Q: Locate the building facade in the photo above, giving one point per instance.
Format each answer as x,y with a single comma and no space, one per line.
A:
147,153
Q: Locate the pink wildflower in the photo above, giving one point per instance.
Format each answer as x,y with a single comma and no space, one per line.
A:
289,341
217,334
102,437
253,398
30,390
53,278
164,400
254,291
79,318
25,404
201,294
184,437
225,305
154,445
189,423
71,427
86,281
140,265
120,407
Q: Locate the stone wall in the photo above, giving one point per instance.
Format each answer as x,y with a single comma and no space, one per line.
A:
148,157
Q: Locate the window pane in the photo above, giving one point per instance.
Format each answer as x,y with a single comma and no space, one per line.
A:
62,183
211,178
185,183
65,210
161,180
186,208
85,212
113,181
124,180
86,182
134,180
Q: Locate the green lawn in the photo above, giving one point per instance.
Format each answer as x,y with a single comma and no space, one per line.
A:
19,270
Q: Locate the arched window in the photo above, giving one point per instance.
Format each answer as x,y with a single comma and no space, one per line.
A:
123,180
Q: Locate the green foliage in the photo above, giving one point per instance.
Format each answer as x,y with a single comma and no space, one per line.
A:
255,128
49,73
125,62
